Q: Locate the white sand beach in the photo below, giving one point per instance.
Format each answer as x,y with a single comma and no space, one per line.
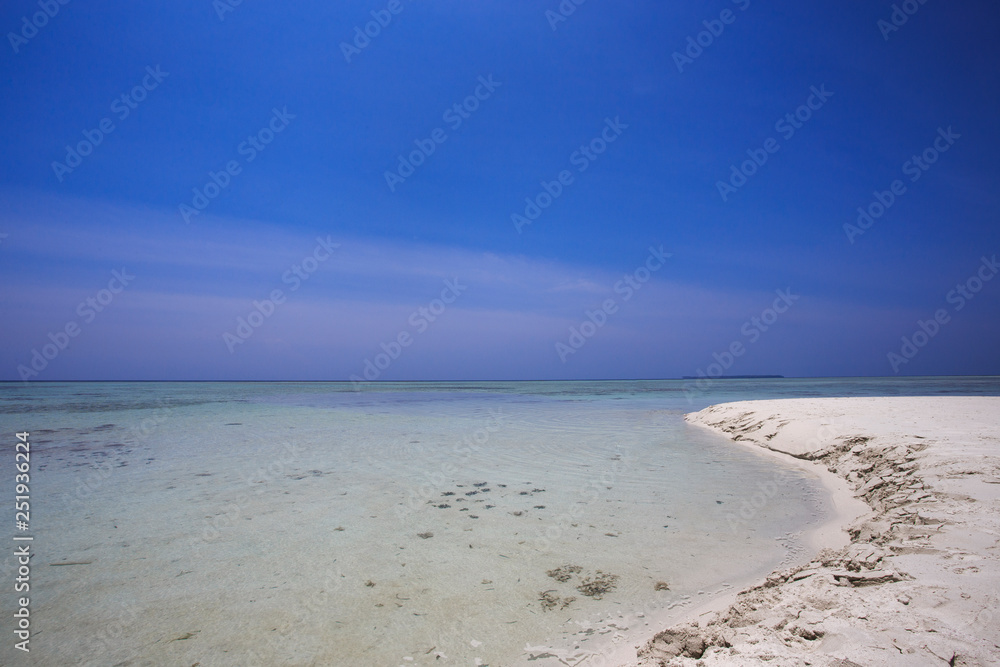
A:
913,580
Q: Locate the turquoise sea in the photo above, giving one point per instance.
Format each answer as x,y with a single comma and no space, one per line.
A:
491,523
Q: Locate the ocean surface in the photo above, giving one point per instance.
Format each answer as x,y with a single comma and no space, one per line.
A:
493,523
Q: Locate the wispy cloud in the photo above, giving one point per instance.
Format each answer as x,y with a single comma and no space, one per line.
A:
193,284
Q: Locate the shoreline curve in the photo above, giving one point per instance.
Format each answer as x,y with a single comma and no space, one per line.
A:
907,570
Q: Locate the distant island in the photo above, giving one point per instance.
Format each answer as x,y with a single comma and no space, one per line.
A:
733,377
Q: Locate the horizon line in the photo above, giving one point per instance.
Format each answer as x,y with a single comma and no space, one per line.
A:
374,382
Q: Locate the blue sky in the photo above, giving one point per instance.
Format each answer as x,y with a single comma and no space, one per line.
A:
333,129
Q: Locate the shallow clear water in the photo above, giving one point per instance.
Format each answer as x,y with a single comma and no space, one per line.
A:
402,524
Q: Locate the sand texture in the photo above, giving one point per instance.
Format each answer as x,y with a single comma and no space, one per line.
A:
918,580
